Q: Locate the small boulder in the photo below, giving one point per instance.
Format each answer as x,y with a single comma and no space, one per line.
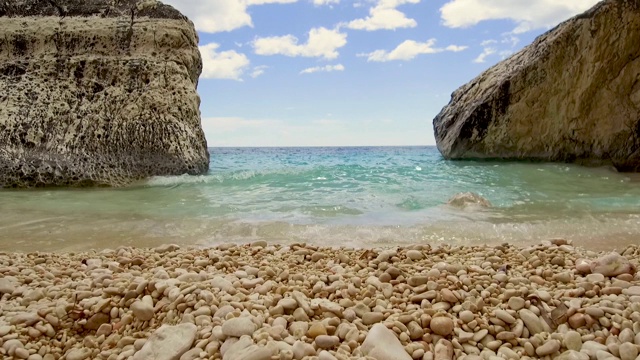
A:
612,264
239,326
168,343
382,344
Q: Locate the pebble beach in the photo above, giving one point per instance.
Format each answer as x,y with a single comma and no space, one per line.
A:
265,301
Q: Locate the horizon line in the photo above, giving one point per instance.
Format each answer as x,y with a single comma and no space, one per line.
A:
314,146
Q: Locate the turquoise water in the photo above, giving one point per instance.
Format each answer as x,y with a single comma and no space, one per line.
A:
332,196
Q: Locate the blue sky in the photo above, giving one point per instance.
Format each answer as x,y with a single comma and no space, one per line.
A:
349,72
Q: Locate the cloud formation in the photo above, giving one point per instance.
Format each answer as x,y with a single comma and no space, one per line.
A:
325,2
222,65
321,42
408,50
527,14
326,68
385,16
213,16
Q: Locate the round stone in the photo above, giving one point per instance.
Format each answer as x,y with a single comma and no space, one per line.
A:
441,325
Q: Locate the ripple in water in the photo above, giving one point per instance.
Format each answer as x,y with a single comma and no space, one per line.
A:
332,196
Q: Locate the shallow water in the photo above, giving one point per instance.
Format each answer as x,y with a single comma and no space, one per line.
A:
335,197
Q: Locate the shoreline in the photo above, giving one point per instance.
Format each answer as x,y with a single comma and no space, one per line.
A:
264,301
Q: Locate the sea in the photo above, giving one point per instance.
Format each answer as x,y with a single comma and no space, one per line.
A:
333,196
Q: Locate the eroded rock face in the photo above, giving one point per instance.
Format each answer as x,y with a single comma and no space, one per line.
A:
573,95
97,92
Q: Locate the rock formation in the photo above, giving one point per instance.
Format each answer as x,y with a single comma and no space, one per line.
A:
97,92
573,95
468,199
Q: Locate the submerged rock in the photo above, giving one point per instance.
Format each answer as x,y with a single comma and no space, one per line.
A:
573,95
97,93
463,200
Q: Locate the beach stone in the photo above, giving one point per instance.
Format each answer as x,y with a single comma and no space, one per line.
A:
516,303
628,351
563,277
612,264
417,280
572,340
372,318
382,344
221,283
466,316
22,353
251,352
632,291
191,354
288,304
595,278
302,349
531,321
507,353
505,316
443,350
25,318
573,355
626,335
165,248
583,266
303,301
4,330
96,320
593,347
78,354
11,345
414,255
577,320
239,326
441,325
325,355
327,341
316,329
168,342
143,309
548,348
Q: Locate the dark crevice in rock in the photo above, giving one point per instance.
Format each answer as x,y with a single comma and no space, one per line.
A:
61,11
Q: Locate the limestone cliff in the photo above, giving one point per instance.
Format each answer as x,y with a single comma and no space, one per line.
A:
97,92
573,95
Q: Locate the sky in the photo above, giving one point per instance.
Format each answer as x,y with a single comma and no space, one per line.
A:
350,72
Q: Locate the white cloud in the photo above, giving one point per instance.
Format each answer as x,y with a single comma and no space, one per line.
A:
527,14
488,50
219,15
321,42
222,65
491,47
385,16
326,68
325,2
408,50
258,70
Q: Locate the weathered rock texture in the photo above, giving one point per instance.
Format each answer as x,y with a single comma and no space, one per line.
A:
97,92
573,95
